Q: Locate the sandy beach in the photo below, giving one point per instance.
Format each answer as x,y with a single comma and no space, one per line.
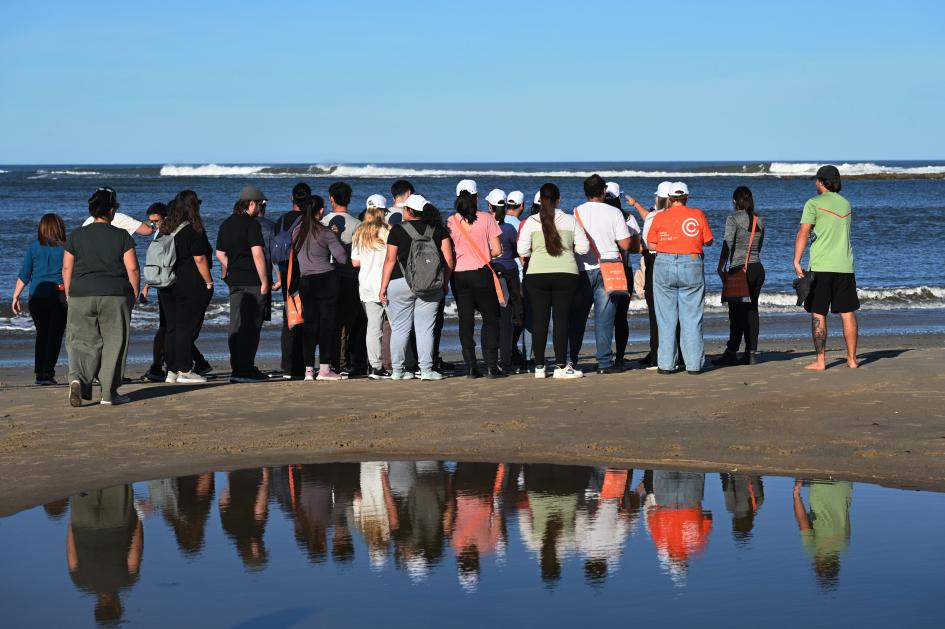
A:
883,423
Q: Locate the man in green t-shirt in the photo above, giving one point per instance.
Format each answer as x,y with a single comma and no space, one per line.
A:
827,220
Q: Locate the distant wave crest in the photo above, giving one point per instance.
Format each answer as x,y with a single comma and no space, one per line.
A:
760,169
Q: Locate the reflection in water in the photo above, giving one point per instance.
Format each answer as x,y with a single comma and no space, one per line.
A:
425,513
825,529
104,545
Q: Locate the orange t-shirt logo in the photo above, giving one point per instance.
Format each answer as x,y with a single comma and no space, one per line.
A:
680,230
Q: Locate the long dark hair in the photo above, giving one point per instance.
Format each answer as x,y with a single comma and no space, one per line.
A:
550,194
743,201
311,223
466,206
431,215
184,208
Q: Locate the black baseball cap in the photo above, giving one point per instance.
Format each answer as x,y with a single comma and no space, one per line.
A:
828,174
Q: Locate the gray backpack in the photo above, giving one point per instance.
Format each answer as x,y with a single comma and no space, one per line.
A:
160,260
424,268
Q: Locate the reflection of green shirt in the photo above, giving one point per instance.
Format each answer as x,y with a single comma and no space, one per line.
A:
832,220
829,517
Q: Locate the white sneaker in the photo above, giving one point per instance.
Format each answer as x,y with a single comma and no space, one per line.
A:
118,399
171,377
568,371
189,377
541,372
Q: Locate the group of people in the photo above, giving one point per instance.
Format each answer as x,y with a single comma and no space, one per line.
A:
367,294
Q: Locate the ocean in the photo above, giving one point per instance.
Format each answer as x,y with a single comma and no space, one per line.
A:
899,217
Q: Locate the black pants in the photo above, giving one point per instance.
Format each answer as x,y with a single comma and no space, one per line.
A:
511,317
184,310
550,294
346,346
621,325
291,342
247,310
743,317
49,317
475,290
160,341
319,302
650,260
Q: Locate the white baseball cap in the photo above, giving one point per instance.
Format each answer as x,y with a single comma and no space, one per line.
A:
538,198
496,197
416,202
613,189
468,185
662,190
515,198
679,189
376,201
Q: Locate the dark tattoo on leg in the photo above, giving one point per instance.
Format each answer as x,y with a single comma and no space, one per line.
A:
819,333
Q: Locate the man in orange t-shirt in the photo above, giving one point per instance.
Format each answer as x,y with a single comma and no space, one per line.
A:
678,235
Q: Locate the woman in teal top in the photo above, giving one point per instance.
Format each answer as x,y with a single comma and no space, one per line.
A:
42,272
549,241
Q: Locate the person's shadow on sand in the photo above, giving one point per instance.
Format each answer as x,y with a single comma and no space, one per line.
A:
158,391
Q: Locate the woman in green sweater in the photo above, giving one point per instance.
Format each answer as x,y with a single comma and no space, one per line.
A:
549,241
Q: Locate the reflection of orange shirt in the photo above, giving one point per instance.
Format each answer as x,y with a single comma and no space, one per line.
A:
474,524
680,230
679,532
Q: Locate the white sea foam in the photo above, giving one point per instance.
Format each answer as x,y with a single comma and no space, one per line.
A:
787,169
52,174
210,170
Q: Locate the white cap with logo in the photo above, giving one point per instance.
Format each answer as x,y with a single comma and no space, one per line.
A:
376,201
496,197
679,189
613,189
468,185
515,198
415,203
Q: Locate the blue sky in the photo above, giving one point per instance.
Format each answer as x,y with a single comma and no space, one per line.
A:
316,82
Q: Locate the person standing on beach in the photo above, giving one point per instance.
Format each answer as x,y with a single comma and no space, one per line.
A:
549,241
743,228
678,236
243,267
292,365
829,217
185,301
622,302
368,251
400,190
318,252
406,309
100,277
609,239
268,228
42,272
475,238
347,355
512,315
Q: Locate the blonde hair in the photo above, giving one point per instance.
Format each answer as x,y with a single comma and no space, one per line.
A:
368,233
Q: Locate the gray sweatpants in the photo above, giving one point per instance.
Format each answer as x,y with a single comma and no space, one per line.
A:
97,331
407,311
375,332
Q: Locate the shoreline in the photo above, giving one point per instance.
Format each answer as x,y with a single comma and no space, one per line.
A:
883,423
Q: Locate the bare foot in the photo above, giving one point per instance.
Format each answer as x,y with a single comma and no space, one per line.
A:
852,364
816,366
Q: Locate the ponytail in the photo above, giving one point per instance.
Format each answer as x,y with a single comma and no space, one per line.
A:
466,206
549,195
310,224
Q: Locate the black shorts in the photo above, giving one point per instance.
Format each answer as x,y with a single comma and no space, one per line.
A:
833,291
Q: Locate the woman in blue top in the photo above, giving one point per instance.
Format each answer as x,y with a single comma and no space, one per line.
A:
42,271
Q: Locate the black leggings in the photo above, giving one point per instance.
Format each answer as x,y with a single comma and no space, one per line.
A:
475,290
49,317
184,311
743,320
319,298
550,294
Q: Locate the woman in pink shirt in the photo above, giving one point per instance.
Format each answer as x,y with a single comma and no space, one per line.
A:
475,237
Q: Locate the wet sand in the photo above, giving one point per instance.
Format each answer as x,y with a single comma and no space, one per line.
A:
883,423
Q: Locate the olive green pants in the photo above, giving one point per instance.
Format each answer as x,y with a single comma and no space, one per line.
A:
97,331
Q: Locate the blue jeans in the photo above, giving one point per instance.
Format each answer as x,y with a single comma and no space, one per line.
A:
591,291
679,296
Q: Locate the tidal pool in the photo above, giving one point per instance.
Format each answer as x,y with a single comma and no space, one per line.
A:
443,543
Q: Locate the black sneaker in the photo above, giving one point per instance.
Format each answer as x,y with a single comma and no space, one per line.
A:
665,372
203,369
379,374
253,376
155,376
609,370
646,361
725,360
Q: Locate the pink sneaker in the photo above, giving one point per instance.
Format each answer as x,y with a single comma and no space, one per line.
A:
328,374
